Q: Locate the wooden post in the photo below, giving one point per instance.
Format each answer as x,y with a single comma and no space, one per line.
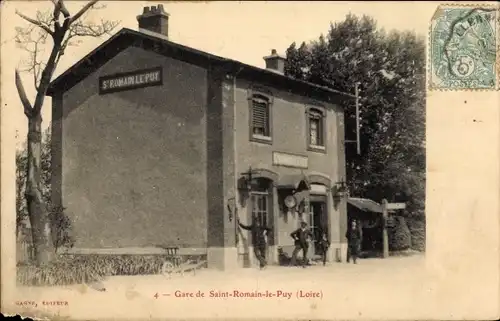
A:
235,219
385,236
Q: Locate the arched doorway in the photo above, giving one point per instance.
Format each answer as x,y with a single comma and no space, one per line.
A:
259,206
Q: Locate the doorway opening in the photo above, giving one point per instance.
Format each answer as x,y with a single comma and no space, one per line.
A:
318,221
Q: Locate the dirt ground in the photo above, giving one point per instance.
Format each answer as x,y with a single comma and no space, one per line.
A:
393,288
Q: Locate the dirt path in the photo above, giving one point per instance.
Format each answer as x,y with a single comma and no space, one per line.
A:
372,289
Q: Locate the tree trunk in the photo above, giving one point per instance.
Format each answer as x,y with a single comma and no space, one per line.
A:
38,214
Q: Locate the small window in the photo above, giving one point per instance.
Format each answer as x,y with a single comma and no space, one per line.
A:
316,129
260,118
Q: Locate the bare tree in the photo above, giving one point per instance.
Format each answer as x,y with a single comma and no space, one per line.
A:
57,29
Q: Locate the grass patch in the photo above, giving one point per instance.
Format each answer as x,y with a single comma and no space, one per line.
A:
60,272
87,268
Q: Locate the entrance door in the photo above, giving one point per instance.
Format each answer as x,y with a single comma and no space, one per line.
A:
261,204
317,222
260,209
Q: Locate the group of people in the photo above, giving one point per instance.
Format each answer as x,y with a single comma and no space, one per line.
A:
301,238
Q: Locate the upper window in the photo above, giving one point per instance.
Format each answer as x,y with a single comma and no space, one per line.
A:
316,128
260,118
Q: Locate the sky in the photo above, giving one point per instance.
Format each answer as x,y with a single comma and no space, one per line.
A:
243,31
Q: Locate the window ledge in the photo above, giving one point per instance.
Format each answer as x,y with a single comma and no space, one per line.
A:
317,148
261,139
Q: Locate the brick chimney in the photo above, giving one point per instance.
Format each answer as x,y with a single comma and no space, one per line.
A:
275,62
154,19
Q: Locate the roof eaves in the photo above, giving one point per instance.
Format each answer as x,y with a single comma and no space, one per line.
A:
277,77
54,84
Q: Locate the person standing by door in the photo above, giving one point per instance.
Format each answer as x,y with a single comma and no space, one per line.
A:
259,239
324,244
301,237
353,236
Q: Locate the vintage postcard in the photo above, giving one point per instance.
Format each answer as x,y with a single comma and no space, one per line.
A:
250,160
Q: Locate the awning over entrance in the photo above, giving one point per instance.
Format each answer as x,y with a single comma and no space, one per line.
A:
364,204
298,181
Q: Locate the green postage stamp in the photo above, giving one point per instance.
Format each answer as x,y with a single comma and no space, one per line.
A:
463,48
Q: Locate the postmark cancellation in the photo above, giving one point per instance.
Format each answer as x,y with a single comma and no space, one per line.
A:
463,48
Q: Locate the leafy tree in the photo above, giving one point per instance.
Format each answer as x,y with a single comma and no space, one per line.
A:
299,61
56,29
390,71
292,68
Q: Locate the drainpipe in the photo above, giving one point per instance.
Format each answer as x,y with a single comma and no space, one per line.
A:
236,238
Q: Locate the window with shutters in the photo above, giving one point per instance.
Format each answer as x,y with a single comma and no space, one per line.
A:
316,129
260,118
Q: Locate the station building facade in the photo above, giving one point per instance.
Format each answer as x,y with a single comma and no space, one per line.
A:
156,145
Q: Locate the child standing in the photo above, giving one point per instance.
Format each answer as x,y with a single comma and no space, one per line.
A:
324,245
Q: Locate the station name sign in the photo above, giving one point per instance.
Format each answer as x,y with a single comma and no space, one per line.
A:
130,80
290,160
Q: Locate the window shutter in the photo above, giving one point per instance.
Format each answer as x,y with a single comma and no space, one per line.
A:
260,121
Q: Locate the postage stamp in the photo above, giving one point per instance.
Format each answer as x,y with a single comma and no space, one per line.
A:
463,48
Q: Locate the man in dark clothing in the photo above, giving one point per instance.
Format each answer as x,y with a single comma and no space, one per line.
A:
353,236
259,239
301,237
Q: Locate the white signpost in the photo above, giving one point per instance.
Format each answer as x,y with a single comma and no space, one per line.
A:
396,206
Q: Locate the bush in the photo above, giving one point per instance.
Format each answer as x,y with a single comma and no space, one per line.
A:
61,227
130,264
399,236
417,230
61,272
77,269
